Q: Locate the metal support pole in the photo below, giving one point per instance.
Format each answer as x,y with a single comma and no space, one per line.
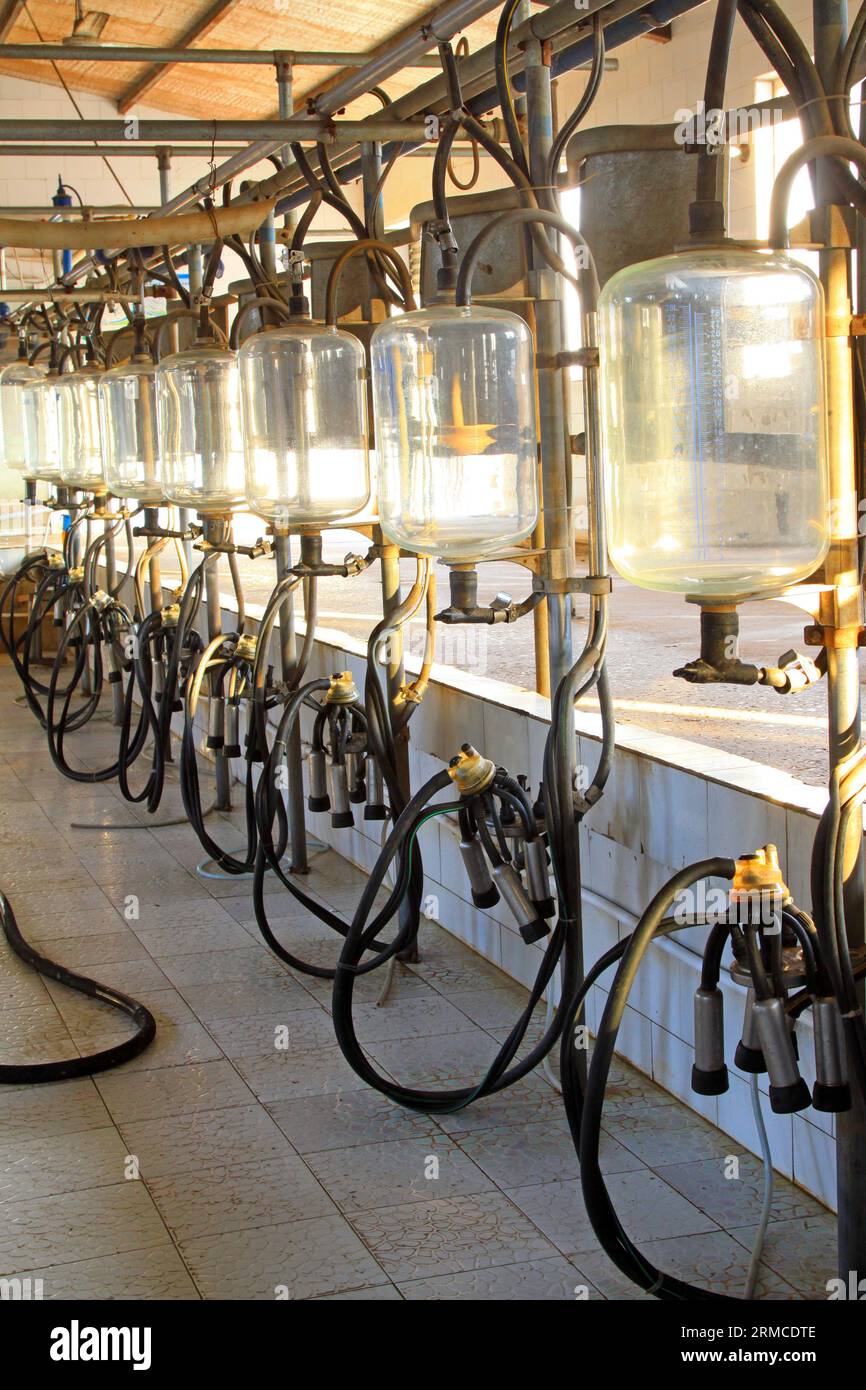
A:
163,164
288,664
555,456
214,531
830,21
286,108
111,585
390,579
374,205
196,275
268,247
151,521
553,426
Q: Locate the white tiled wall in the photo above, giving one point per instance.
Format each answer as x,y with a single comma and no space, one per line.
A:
657,813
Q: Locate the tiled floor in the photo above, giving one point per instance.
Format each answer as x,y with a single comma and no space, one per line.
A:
218,1165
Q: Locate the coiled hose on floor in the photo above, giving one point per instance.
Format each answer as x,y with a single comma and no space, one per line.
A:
32,1073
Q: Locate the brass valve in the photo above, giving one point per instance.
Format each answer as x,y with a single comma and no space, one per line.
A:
758,883
470,772
342,690
170,615
246,648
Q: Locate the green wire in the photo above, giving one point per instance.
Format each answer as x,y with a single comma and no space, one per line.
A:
439,811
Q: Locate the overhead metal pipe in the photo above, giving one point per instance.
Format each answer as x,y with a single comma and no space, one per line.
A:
277,131
61,214
130,149
239,218
62,294
253,57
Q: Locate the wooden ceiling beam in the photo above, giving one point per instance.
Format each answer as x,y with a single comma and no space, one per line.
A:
9,13
199,29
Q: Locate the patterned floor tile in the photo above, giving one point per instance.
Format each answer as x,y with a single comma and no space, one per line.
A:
380,1293
528,1101
737,1201
235,966
535,1153
665,1134
78,1226
802,1252
419,1240
172,1090
343,1119
264,1033
533,1281
404,1170
285,1075
49,1111
295,1260
204,1139
136,1275
714,1261
245,1194
645,1205
41,1167
437,1063
225,1000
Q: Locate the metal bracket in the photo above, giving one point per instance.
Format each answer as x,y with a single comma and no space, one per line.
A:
593,584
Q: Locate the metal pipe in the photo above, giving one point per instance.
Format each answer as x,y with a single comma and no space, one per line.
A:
195,271
59,214
213,532
151,521
61,293
374,206
278,132
117,698
288,666
253,57
841,569
132,149
285,80
553,430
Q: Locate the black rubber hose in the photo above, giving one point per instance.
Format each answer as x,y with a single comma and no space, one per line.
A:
500,1073
714,91
269,855
584,1111
34,1073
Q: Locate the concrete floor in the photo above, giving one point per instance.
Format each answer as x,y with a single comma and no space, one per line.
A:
651,635
217,1166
